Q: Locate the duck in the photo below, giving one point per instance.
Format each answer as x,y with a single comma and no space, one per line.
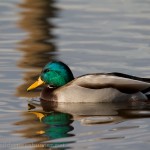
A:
62,86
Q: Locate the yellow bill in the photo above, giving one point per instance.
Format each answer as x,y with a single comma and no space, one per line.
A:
36,84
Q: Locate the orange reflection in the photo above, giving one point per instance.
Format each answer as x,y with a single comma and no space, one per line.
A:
37,45
33,128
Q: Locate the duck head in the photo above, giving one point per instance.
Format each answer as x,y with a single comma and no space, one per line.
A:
55,74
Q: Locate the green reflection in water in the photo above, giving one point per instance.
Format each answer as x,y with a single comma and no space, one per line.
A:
59,125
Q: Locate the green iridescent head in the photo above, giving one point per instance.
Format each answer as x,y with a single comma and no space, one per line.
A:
55,74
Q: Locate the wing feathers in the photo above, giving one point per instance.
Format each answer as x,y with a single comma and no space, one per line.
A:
124,83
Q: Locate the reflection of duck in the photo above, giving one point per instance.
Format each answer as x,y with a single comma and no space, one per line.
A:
98,113
83,109
79,110
59,124
100,87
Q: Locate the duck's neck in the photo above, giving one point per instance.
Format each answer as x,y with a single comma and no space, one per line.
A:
69,78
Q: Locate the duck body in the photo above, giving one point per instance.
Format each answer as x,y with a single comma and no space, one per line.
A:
99,87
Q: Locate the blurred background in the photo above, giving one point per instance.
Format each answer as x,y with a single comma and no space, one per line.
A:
89,36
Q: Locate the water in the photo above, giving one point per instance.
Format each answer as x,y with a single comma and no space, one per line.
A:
90,36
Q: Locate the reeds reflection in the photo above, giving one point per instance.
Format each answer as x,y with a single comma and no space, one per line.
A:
37,46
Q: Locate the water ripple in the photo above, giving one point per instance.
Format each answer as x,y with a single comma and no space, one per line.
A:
91,36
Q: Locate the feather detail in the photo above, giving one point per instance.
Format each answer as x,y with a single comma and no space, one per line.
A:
124,83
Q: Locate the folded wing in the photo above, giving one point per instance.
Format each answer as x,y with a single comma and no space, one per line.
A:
122,82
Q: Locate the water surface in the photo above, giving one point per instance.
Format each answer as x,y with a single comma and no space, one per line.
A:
90,36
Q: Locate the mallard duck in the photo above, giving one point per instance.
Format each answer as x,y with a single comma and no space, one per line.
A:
96,87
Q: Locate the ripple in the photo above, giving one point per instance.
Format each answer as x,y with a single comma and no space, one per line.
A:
92,36
96,120
135,113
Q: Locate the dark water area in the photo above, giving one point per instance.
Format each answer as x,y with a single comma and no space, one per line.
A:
89,36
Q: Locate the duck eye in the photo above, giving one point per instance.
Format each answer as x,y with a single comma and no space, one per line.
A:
46,70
